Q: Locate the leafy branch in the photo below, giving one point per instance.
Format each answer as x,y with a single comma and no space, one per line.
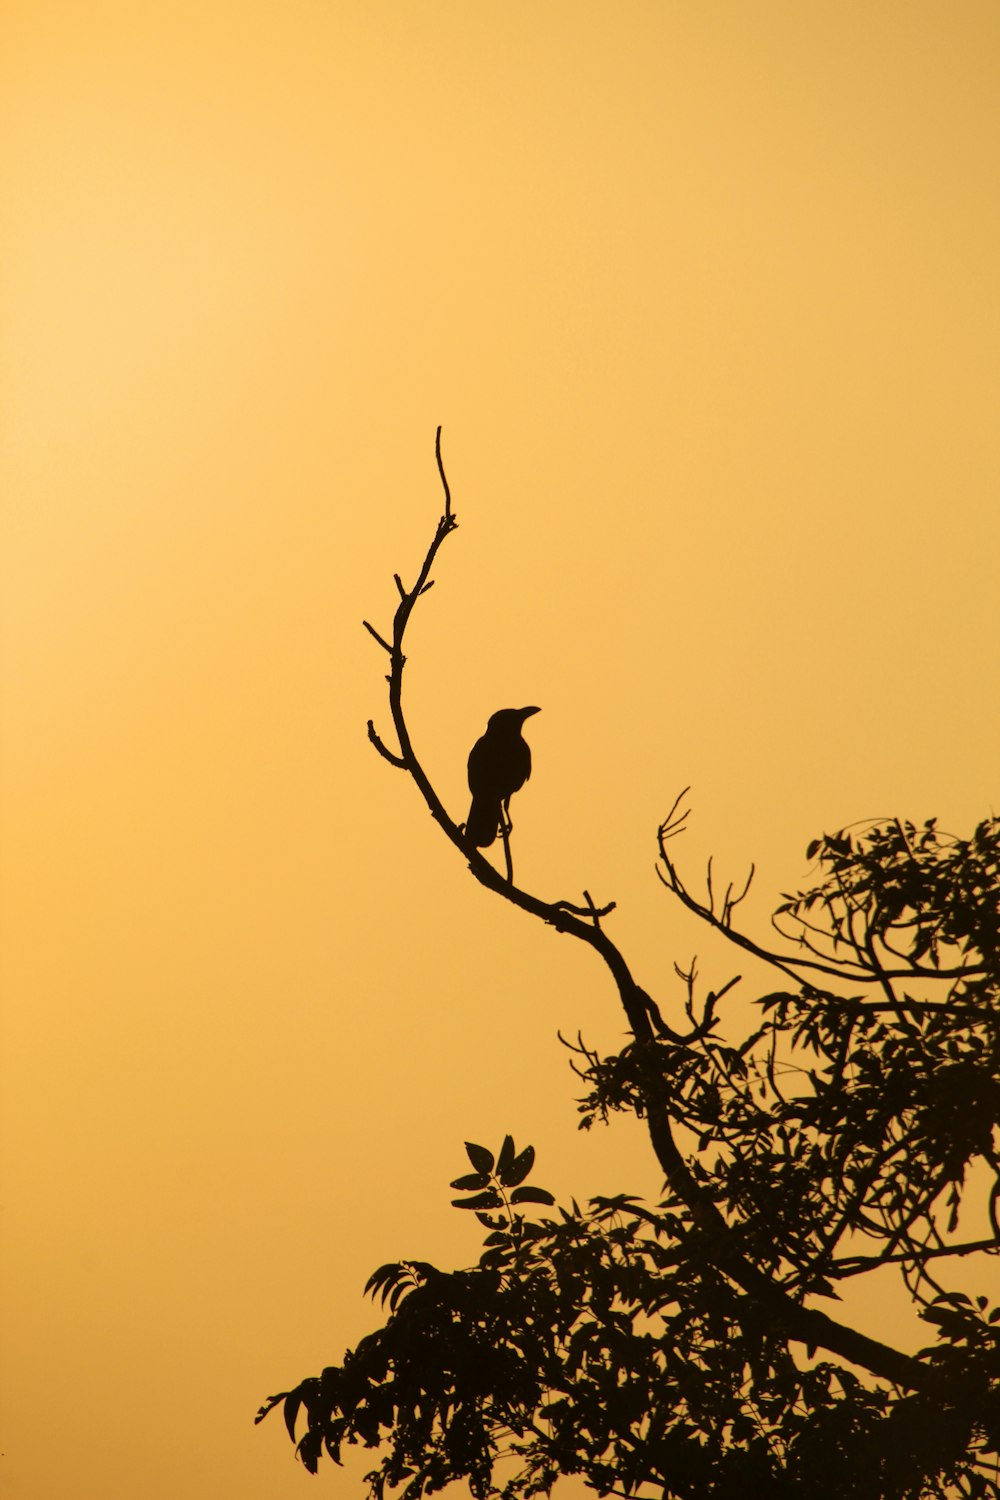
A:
661,1344
715,1241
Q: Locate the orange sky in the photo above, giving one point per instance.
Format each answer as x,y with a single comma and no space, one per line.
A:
706,299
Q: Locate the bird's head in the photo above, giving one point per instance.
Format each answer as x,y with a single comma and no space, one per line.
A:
511,719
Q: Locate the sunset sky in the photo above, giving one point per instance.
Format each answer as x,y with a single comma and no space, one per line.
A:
705,296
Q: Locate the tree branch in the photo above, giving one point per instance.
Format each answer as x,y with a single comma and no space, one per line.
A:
854,971
716,1240
854,1265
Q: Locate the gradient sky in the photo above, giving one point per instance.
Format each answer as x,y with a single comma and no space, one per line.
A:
705,296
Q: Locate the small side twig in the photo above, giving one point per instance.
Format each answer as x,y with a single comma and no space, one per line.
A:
590,910
380,638
595,915
383,749
444,477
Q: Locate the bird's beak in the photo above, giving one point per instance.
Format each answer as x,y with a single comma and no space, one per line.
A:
527,712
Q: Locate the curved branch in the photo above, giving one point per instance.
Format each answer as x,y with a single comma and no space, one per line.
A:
383,749
716,1240
856,972
853,1265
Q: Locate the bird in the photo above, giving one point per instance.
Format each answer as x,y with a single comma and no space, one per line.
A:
499,765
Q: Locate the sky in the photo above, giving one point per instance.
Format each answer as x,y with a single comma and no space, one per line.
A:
705,299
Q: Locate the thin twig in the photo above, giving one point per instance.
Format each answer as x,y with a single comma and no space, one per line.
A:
787,962
586,911
381,639
444,477
383,749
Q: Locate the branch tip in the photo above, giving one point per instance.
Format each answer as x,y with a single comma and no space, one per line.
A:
383,749
381,639
444,479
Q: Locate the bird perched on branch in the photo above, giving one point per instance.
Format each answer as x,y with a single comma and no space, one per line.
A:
499,765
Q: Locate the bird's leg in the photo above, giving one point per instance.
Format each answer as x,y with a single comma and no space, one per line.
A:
505,827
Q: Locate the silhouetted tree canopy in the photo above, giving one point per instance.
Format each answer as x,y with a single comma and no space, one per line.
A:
694,1346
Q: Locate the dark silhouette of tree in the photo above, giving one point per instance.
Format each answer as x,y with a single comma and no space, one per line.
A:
694,1346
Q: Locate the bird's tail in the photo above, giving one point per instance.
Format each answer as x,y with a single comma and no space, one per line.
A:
483,822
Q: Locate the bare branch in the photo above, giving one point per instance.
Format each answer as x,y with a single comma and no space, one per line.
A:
444,479
732,902
587,911
673,823
716,1240
383,749
381,640
846,968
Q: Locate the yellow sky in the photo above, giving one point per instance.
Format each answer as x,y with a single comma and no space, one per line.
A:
706,299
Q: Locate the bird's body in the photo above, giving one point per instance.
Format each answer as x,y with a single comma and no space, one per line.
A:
499,765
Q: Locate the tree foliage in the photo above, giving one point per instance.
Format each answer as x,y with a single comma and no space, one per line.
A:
688,1345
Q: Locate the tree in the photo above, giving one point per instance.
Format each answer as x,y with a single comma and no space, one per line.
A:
692,1345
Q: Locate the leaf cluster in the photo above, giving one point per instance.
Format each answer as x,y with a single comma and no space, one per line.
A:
596,1344
841,1134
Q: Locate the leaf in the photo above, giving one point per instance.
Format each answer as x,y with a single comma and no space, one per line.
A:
490,1199
505,1158
309,1450
531,1195
269,1405
424,1269
471,1182
519,1168
383,1279
493,1221
480,1158
537,1232
292,1403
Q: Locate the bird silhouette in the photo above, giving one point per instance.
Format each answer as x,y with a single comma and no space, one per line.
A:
499,765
